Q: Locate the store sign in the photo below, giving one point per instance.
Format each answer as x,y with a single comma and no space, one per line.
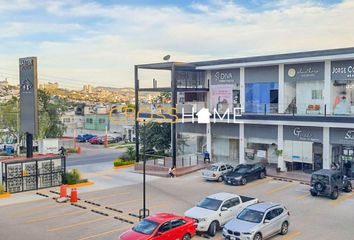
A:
225,76
310,134
28,95
306,71
341,136
342,70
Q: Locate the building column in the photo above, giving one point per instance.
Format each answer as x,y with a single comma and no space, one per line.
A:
208,138
281,90
242,143
173,124
281,163
327,87
242,90
136,79
326,149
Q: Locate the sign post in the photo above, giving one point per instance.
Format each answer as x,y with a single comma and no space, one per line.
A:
28,100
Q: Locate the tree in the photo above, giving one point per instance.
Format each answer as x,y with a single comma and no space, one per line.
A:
157,136
9,123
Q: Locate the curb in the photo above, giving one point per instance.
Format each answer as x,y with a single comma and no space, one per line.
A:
124,166
5,195
288,179
86,184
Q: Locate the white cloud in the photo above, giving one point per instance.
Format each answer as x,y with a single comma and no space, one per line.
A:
117,37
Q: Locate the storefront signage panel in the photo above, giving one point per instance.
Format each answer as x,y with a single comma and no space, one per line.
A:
310,134
306,71
262,74
342,136
225,130
261,131
342,70
225,76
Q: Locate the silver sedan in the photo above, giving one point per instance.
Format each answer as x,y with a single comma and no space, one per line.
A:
216,171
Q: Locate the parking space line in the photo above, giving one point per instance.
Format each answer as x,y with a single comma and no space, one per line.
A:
54,216
302,197
33,210
280,188
256,183
342,199
78,224
291,235
105,233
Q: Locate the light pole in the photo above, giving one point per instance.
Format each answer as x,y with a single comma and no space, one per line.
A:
144,212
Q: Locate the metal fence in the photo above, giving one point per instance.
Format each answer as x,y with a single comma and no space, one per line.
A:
20,176
181,161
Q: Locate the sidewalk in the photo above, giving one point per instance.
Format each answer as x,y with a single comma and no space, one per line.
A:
294,175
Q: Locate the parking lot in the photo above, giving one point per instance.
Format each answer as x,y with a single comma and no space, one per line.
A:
311,218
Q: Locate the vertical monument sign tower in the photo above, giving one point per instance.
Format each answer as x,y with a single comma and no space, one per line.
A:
28,100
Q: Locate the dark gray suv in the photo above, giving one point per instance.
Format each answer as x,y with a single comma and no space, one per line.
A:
328,183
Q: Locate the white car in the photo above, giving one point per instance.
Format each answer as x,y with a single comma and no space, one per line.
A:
257,222
216,210
216,171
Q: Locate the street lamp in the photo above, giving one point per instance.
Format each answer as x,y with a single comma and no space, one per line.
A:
143,213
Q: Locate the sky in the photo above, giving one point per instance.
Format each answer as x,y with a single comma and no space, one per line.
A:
98,42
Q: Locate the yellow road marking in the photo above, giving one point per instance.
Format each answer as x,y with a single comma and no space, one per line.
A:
77,224
303,196
342,199
106,196
256,183
280,188
122,203
104,233
291,235
32,210
158,205
54,216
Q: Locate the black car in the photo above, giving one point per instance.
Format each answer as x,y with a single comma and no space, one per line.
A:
327,182
244,173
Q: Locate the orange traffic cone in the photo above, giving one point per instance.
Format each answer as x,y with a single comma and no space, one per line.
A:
63,191
73,198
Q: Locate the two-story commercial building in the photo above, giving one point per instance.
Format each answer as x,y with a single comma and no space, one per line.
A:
296,109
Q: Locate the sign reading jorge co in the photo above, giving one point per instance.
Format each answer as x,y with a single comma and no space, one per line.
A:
28,95
306,71
342,70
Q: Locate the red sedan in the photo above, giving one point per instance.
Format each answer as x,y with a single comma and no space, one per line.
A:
94,140
163,226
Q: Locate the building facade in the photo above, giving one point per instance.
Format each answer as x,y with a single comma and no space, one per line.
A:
295,111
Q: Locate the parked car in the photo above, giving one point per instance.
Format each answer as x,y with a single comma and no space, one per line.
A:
258,221
328,183
244,173
94,140
216,171
85,137
110,140
216,210
162,226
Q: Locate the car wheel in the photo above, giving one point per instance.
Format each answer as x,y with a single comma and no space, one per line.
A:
258,236
319,187
284,228
348,188
334,194
213,228
220,179
243,181
313,194
262,175
186,237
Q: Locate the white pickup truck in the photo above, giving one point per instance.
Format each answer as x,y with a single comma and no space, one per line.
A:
216,210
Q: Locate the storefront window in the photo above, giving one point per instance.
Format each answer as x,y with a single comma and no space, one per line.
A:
304,86
342,88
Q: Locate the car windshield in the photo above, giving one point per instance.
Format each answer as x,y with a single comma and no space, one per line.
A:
146,227
250,215
209,203
320,178
213,168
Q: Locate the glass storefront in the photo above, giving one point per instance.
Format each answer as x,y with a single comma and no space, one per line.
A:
342,87
261,92
303,149
191,139
225,142
304,87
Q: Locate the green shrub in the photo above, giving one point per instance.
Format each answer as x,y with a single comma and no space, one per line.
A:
74,177
2,189
122,162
